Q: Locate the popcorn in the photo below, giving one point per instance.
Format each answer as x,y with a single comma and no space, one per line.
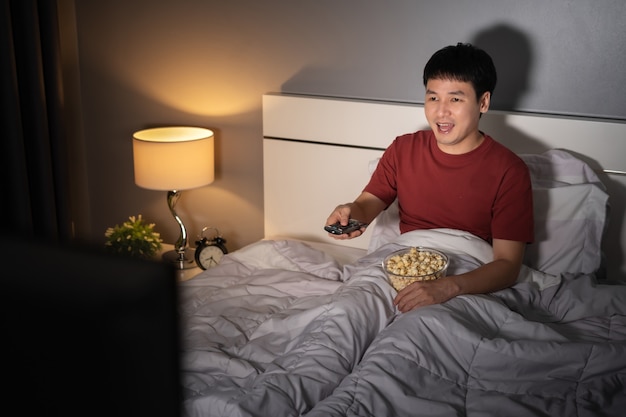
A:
414,265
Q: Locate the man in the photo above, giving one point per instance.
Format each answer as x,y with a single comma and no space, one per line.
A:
453,176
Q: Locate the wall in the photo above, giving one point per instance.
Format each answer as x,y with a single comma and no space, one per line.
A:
145,63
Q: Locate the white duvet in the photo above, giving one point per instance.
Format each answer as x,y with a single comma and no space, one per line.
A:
273,329
280,329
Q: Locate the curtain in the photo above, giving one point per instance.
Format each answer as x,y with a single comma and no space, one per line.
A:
34,168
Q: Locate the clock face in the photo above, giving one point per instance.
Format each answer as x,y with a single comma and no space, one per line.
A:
209,256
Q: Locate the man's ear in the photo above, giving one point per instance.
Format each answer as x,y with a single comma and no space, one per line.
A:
484,102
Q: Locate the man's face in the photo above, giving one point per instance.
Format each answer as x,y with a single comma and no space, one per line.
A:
453,112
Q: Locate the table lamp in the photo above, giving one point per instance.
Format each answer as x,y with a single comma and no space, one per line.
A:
173,159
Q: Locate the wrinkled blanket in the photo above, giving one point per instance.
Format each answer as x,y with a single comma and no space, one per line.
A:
273,330
549,346
280,329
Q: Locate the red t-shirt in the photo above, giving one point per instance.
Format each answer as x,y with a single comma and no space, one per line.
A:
486,191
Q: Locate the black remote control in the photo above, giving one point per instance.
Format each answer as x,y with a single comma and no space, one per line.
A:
338,229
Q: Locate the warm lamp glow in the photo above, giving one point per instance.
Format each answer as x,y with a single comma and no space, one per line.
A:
173,158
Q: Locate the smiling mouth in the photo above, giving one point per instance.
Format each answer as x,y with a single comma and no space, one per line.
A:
445,127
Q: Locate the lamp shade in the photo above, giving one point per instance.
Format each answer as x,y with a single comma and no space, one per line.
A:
173,158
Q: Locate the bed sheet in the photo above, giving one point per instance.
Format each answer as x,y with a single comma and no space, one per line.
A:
548,346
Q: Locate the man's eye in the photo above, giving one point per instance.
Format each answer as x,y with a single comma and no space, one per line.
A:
455,99
432,98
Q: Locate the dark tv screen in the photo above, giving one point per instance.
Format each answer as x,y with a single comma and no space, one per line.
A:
87,333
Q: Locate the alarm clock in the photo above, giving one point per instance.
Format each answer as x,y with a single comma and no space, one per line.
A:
209,252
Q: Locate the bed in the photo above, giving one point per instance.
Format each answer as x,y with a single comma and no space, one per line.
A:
299,324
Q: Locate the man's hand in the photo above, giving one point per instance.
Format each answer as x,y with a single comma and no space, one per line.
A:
365,208
341,215
424,293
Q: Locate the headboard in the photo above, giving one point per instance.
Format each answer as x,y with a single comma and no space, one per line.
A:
317,151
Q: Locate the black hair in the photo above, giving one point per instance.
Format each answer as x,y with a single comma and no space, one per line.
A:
463,62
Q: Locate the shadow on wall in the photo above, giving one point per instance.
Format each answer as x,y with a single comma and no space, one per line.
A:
512,55
511,52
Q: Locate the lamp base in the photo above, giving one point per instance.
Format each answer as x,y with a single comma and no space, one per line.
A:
173,257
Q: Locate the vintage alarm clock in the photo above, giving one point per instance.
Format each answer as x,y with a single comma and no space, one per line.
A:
209,252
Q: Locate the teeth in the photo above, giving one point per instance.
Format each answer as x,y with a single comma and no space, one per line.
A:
445,126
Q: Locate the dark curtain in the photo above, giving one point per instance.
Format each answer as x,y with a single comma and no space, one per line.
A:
33,155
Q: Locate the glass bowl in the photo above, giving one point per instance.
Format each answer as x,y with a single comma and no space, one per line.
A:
406,266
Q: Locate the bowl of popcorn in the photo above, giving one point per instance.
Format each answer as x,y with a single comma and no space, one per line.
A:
406,266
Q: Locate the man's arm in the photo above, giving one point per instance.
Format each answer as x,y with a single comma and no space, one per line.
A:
501,273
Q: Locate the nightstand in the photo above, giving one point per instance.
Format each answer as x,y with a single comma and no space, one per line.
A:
181,274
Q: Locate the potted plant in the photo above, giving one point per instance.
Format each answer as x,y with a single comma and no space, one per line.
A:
134,238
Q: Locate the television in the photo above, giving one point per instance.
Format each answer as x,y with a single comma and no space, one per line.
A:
86,333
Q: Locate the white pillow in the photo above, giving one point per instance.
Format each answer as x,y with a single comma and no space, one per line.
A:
570,207
386,228
569,224
559,167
